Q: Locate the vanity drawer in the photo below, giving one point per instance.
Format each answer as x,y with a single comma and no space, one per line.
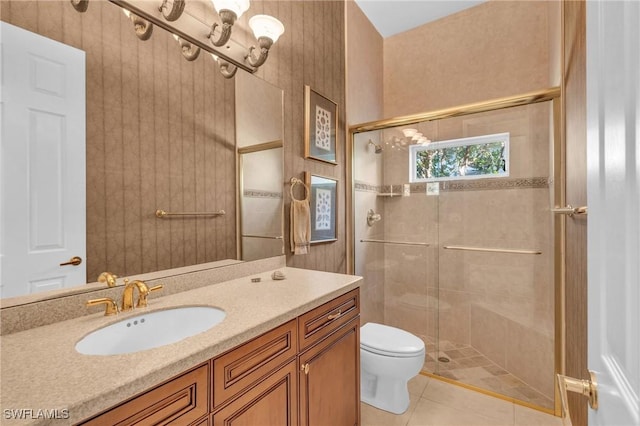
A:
179,401
247,364
325,319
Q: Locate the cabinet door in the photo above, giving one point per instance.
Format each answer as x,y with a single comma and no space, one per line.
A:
273,402
330,379
240,368
180,401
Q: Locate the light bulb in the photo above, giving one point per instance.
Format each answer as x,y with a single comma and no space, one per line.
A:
236,6
266,26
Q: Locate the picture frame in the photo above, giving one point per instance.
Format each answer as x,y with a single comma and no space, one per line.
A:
320,127
323,207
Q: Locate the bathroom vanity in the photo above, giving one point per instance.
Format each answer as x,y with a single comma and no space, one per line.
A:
270,380
286,353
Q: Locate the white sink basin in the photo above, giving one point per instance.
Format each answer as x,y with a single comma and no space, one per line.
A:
150,330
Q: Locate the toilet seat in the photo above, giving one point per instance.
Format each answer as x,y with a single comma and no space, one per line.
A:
390,341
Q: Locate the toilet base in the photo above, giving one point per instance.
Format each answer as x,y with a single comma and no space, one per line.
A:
384,393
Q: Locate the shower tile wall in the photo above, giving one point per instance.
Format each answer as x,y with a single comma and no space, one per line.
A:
370,257
499,304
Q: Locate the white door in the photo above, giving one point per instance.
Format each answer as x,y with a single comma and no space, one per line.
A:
42,163
613,167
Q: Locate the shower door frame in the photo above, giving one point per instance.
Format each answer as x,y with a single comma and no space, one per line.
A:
553,94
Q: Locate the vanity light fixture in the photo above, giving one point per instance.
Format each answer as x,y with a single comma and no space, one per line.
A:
172,9
173,16
142,27
229,11
189,51
267,30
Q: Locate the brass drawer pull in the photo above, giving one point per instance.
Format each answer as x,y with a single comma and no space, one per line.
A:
305,368
334,316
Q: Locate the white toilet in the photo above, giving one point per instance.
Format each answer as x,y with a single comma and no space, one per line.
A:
389,358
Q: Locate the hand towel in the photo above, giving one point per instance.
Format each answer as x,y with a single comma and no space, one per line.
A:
300,232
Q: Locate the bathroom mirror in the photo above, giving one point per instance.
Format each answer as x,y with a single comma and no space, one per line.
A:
259,133
160,135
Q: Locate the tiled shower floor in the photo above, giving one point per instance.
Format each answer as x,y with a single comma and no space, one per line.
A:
466,365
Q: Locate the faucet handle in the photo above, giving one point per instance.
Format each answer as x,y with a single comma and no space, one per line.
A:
142,298
108,278
110,309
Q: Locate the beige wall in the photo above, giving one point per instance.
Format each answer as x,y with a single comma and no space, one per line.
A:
365,48
311,51
496,49
365,103
144,149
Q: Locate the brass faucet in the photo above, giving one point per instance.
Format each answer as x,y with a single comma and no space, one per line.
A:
108,278
110,309
143,292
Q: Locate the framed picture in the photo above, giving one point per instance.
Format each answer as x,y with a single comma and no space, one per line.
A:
323,205
320,126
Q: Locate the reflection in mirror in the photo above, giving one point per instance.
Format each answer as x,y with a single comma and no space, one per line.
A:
159,135
43,122
259,127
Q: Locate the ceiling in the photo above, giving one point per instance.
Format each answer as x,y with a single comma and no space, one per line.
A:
395,16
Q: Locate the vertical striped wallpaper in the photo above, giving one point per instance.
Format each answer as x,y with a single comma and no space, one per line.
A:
161,130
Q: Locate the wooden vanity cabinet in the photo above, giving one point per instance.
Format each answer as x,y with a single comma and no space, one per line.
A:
329,364
182,401
272,401
260,379
305,372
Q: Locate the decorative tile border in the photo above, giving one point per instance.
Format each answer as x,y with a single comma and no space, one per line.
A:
366,187
257,193
461,185
495,184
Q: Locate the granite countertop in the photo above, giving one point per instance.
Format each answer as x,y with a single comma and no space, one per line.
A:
41,370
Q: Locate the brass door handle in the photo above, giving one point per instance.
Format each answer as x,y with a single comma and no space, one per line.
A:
75,261
334,316
586,387
305,368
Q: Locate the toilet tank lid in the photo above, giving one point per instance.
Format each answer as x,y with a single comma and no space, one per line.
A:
379,337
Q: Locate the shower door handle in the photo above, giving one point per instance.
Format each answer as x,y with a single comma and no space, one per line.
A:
570,210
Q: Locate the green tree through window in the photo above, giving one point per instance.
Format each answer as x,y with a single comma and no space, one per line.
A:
484,156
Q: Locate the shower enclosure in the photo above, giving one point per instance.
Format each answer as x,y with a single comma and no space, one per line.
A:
453,230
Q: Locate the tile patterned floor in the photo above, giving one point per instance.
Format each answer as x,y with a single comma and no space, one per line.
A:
435,403
469,366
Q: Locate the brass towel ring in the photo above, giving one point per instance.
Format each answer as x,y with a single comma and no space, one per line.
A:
295,181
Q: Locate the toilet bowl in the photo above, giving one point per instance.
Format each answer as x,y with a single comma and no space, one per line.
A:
389,358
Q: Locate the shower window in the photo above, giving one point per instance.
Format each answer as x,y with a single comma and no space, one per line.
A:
466,158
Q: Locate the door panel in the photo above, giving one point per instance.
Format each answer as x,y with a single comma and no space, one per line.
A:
613,169
42,165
